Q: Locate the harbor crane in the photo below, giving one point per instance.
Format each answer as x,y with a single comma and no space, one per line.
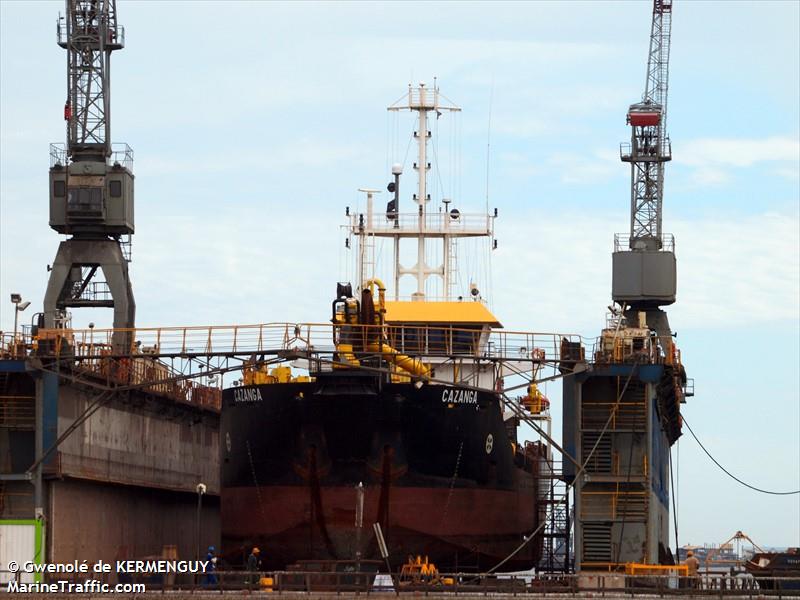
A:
91,182
644,269
622,417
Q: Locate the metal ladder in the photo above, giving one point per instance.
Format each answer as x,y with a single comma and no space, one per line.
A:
368,263
452,261
556,555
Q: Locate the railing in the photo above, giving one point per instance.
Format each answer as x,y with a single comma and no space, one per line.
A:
622,242
162,361
434,223
641,350
415,97
15,346
604,579
153,376
116,34
148,362
58,154
645,152
95,360
313,338
121,154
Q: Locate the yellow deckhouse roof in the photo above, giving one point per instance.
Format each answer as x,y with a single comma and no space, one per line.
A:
457,313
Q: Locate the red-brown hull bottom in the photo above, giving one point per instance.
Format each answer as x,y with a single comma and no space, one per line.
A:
459,528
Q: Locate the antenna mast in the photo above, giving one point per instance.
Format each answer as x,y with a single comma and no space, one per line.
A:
423,101
421,226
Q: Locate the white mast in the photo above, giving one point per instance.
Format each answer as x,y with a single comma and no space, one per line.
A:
445,226
366,248
421,270
422,100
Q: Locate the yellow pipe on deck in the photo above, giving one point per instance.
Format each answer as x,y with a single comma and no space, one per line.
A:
371,283
346,355
405,362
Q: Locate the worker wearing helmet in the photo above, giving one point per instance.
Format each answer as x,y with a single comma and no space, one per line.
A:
211,559
253,565
692,565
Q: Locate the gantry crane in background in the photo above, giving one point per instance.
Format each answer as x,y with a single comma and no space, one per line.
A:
91,183
712,563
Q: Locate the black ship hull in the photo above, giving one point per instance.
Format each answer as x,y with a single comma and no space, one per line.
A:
441,472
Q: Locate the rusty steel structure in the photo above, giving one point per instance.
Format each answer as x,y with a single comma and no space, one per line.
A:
114,447
91,183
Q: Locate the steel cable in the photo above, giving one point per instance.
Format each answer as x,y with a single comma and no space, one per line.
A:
581,467
731,475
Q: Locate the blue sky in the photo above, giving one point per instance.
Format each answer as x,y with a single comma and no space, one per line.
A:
254,124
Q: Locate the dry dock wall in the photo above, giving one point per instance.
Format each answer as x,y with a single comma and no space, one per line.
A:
122,485
92,521
139,440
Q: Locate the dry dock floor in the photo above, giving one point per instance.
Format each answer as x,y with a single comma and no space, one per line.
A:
174,595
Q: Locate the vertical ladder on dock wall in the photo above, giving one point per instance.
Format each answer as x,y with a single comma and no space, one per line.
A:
556,555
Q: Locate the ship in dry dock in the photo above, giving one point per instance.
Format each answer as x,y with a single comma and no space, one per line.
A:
406,419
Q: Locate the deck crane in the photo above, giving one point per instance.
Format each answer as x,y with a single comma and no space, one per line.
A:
91,183
644,270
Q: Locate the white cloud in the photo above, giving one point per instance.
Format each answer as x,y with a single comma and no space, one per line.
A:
554,271
792,173
597,167
738,270
292,154
571,168
713,161
740,152
551,272
710,176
